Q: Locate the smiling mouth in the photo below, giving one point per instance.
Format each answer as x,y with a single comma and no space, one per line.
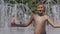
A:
39,10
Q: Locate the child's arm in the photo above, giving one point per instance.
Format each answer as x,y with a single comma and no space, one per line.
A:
27,23
52,23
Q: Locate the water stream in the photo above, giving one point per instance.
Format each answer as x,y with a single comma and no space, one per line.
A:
8,10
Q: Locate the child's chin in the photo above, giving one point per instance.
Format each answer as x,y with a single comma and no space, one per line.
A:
40,12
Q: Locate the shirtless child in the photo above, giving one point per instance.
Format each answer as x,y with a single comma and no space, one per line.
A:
39,20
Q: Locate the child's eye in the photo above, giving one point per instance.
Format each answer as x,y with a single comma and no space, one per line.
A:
41,7
38,7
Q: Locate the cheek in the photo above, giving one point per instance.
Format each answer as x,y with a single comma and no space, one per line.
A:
38,8
42,8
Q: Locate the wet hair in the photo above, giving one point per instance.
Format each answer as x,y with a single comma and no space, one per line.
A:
40,3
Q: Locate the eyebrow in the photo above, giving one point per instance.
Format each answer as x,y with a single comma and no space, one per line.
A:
39,7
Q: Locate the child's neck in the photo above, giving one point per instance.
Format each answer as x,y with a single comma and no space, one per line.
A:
41,14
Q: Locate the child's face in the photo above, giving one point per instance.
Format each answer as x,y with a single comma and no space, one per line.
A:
40,9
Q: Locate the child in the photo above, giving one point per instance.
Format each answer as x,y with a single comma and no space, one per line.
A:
39,20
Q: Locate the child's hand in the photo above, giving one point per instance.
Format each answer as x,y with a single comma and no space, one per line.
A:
17,22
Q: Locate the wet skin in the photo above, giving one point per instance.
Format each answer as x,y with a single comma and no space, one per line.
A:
40,21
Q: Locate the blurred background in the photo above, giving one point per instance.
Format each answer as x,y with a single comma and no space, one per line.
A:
22,10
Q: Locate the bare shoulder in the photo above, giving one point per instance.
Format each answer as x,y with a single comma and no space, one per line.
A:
46,16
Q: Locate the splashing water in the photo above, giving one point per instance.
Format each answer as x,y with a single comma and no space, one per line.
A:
6,12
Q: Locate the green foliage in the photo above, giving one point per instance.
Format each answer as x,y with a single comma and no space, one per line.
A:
18,1
31,4
58,1
12,2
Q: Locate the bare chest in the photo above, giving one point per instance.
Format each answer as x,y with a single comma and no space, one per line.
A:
39,19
